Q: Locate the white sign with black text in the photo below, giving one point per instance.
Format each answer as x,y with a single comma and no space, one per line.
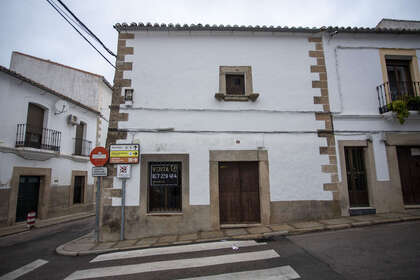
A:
99,171
123,171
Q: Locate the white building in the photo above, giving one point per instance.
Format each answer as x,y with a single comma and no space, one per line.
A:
240,126
378,157
50,122
232,116
90,89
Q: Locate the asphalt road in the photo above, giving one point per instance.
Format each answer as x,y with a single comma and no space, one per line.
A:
390,251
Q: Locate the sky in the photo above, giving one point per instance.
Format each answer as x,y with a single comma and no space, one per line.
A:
34,27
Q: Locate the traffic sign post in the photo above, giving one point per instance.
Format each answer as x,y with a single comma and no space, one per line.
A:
123,172
98,157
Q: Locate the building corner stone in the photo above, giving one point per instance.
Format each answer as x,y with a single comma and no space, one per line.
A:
109,216
324,115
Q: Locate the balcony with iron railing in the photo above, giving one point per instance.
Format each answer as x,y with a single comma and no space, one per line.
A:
404,91
37,137
82,147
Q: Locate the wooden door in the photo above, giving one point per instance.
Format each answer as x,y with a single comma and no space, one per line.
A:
34,126
27,196
239,192
356,176
409,166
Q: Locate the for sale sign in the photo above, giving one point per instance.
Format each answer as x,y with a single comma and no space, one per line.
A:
165,173
124,153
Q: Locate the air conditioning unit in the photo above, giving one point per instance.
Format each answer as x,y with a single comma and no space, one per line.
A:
72,119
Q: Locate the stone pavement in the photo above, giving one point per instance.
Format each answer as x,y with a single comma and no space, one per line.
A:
21,227
86,244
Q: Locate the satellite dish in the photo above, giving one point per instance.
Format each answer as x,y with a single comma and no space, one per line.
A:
61,107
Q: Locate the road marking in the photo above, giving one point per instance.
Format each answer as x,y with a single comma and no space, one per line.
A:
175,250
278,273
23,270
173,264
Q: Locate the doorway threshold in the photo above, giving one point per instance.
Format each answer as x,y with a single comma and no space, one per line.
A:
239,225
357,211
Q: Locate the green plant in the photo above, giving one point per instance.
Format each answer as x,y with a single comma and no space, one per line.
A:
400,108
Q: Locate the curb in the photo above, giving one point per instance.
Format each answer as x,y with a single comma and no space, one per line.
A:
60,249
25,229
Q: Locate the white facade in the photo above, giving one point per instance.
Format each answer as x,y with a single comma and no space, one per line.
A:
17,92
177,92
354,71
87,88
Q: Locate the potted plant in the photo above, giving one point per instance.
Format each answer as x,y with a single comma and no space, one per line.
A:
400,108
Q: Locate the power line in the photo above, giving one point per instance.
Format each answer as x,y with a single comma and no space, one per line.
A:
58,11
86,28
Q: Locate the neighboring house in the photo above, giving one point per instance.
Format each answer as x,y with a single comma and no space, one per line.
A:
45,141
378,157
240,126
90,89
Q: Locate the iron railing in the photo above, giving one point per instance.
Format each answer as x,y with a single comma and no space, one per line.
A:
38,137
82,147
388,92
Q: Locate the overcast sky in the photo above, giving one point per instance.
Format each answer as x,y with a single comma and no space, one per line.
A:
35,28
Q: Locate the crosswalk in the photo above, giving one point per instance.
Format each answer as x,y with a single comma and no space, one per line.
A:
23,270
214,261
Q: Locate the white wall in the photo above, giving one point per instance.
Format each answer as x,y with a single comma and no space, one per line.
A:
354,72
81,86
294,162
175,76
354,69
177,70
14,99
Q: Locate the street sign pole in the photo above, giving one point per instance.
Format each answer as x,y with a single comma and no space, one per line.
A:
98,203
98,157
123,172
122,209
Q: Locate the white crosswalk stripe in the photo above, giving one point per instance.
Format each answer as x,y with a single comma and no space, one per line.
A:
175,250
23,270
172,264
278,273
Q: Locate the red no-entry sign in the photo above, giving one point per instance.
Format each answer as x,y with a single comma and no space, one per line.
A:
99,156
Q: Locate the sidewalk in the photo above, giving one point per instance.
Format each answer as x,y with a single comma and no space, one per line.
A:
21,227
86,245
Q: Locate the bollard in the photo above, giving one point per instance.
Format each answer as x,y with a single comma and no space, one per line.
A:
30,219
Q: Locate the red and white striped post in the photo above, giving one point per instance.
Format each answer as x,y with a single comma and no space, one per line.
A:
30,219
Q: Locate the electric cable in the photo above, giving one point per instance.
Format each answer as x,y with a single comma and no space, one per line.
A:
79,32
87,29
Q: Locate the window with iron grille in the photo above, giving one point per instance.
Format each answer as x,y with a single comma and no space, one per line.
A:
164,188
78,190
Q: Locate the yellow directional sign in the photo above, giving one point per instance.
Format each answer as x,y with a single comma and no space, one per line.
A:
124,153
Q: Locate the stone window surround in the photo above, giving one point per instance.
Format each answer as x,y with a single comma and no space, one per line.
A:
409,53
75,173
44,191
144,182
398,53
370,173
217,156
235,70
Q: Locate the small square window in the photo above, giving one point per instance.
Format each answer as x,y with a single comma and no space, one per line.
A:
128,94
235,84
